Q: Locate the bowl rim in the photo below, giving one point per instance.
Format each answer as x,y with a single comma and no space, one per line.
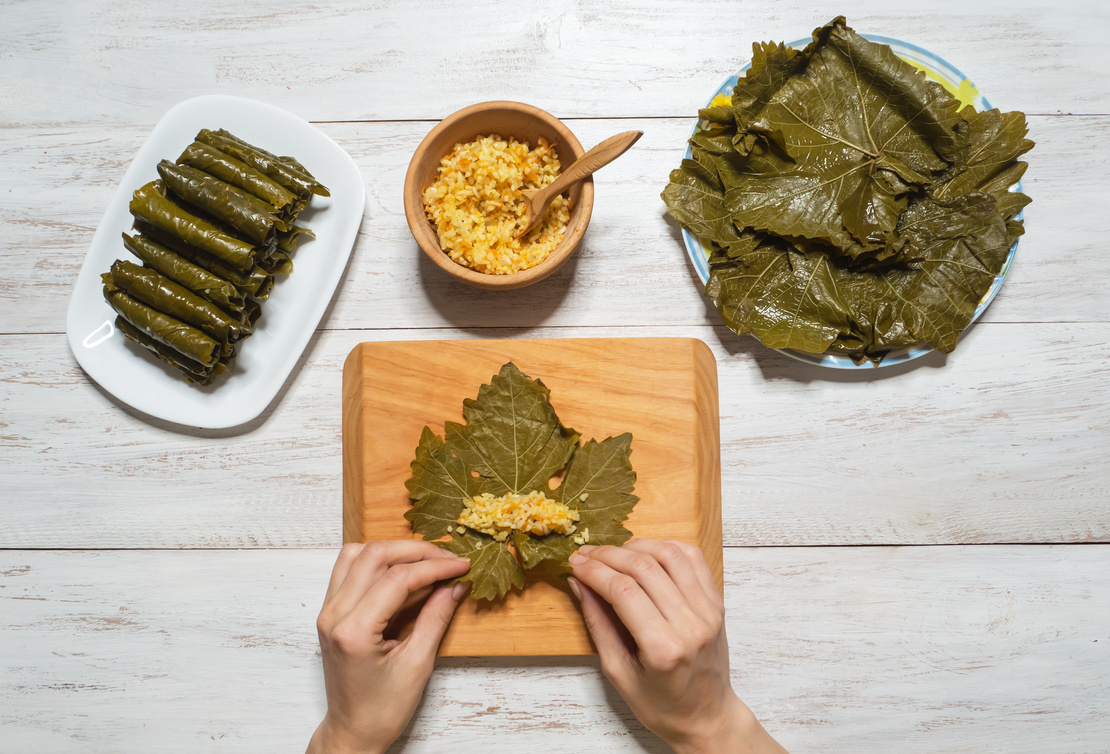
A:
427,239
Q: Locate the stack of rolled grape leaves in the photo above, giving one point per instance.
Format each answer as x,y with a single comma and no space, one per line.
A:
211,235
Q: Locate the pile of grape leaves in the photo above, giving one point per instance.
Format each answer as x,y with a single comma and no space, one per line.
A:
852,205
513,441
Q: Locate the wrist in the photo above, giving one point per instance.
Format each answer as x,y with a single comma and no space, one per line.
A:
735,730
331,738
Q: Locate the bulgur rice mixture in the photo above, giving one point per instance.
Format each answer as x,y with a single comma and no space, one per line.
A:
533,513
477,207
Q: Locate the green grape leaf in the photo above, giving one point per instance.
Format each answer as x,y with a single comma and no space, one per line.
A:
599,481
513,442
512,436
989,165
441,483
852,205
493,569
855,156
786,297
551,551
790,298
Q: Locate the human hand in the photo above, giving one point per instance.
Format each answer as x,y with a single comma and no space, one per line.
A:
657,620
374,683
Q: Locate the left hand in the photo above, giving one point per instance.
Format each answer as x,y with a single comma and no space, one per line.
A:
375,683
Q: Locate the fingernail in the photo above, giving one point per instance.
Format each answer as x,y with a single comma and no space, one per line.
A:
586,548
573,582
576,559
458,591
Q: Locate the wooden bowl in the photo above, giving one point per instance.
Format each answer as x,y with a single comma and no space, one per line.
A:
524,123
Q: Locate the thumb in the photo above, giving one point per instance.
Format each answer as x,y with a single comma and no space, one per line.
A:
433,620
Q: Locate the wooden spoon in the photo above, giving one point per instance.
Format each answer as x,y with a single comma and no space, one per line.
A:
537,200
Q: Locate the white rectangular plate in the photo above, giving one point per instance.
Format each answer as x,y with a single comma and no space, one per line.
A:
289,316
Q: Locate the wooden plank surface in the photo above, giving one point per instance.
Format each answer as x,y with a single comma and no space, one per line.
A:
630,270
129,61
1007,440
877,649
976,649
661,390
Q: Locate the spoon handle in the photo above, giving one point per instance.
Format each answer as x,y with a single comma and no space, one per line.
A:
596,158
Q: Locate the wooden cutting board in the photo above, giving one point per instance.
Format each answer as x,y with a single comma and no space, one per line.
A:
662,390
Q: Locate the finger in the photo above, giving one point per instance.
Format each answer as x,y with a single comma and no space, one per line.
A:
342,565
432,623
417,597
372,563
696,559
630,602
652,578
675,561
606,631
372,613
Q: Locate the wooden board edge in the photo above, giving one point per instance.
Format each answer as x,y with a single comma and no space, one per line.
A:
353,529
708,457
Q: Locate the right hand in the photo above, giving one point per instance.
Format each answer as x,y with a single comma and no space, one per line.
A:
657,620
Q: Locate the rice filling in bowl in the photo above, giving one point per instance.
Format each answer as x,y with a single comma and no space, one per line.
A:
477,208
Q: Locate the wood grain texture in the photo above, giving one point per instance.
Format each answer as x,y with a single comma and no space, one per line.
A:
878,649
129,61
960,649
662,390
631,268
1006,440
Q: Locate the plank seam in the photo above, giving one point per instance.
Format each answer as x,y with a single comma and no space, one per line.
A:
1096,543
435,328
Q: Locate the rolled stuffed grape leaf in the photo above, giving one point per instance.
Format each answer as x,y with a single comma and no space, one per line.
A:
248,214
194,371
161,293
163,328
151,205
255,282
510,447
213,231
200,281
291,175
230,170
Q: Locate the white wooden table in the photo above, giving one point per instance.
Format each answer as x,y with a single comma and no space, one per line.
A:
916,559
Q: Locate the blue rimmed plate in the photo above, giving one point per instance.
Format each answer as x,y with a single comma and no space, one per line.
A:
937,69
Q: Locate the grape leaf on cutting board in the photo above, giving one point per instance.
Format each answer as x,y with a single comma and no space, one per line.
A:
513,442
